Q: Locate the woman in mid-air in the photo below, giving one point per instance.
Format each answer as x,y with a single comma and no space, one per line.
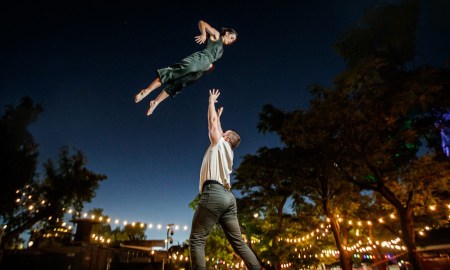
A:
191,68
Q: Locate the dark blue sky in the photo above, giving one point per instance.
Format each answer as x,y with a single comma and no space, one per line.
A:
85,62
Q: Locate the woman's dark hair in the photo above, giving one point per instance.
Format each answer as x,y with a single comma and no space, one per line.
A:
228,29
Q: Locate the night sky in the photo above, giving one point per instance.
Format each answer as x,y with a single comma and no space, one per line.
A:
85,62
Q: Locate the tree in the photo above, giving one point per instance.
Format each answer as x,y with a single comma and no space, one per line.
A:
266,181
384,118
218,250
18,152
69,185
404,106
102,230
313,173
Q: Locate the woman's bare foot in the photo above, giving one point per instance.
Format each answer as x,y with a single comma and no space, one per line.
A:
141,95
153,105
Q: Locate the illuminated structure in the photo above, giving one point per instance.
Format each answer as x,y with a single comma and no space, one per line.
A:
445,133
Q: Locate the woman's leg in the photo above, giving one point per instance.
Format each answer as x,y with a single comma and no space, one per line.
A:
154,103
144,92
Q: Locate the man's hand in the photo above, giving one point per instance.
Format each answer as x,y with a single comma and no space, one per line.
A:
215,130
213,95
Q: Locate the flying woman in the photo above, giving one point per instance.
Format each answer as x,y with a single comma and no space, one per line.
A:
190,69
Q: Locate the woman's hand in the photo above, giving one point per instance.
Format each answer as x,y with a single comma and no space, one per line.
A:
200,39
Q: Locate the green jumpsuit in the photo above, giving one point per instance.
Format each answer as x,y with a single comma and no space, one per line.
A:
191,68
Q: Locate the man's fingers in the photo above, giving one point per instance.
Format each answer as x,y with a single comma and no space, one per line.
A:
214,92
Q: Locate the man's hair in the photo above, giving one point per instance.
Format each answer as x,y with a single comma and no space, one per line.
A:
235,139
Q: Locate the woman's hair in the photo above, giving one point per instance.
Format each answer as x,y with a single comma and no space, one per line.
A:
228,29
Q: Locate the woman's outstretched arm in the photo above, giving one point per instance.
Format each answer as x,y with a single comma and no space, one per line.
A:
206,29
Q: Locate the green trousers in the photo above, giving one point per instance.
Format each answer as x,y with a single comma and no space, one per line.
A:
218,205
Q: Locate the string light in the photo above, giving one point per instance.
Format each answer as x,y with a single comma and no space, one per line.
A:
25,198
358,247
323,230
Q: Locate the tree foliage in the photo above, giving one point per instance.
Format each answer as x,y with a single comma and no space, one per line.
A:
19,152
378,130
28,197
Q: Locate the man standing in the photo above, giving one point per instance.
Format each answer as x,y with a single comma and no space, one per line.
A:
217,204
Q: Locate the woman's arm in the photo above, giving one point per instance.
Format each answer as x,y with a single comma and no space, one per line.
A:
206,29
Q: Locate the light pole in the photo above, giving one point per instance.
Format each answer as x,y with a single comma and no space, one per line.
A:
169,239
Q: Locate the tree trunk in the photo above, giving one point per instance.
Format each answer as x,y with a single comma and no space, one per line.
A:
10,236
407,224
409,237
345,259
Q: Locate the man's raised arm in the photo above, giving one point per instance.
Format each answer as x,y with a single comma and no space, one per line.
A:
215,130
